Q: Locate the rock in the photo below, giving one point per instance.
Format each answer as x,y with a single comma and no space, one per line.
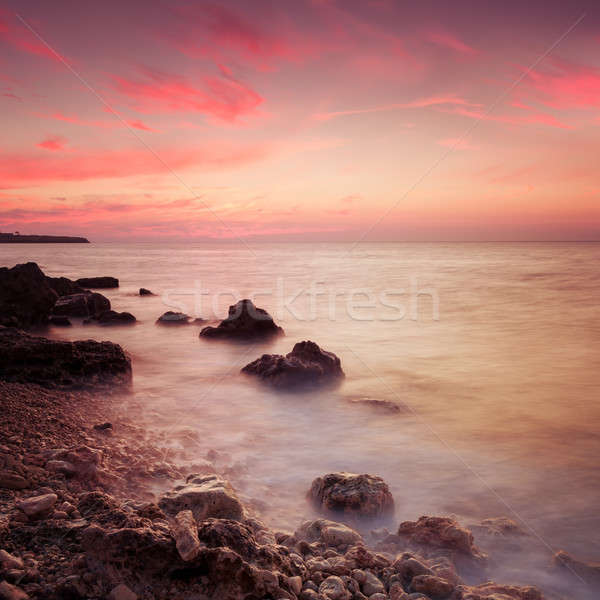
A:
82,462
26,298
12,481
11,592
86,304
145,292
98,282
8,561
52,363
173,318
498,527
59,321
37,506
371,585
333,588
112,317
244,322
494,591
64,286
329,532
121,592
434,587
185,533
352,495
577,569
306,365
103,426
61,466
295,584
206,496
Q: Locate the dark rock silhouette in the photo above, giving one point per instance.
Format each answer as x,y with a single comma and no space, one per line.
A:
173,318
306,365
64,286
59,321
244,322
86,304
29,359
352,495
145,292
112,317
98,282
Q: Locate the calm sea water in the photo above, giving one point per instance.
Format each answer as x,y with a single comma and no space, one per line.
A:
498,388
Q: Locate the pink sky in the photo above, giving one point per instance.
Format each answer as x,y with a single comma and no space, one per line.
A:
300,120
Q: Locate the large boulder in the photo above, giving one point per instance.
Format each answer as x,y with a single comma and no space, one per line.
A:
29,359
206,496
244,322
26,298
112,317
173,318
85,304
330,533
64,286
98,282
352,495
306,365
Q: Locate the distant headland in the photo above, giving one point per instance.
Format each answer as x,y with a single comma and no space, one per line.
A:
16,238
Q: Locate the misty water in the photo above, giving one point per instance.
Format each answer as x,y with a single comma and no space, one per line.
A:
481,401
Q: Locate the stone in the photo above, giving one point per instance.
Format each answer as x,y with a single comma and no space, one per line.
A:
434,587
145,292
371,585
173,318
11,592
121,592
307,365
12,481
185,533
53,363
26,298
37,506
85,304
112,317
103,426
64,286
98,282
244,322
59,321
295,584
61,466
577,569
333,588
352,495
8,561
206,496
329,532
83,460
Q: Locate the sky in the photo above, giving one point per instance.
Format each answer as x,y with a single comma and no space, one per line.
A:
300,120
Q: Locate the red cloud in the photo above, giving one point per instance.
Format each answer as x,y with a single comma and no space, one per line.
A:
16,35
53,143
222,98
447,40
101,124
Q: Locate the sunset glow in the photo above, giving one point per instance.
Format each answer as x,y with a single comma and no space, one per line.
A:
311,119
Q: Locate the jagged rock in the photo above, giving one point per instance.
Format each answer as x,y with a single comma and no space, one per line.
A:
38,506
12,481
494,591
306,365
434,587
244,322
333,588
8,561
145,292
61,466
185,533
577,569
59,321
98,282
440,532
11,592
121,592
173,318
81,462
29,359
86,304
329,532
26,298
112,317
64,286
352,495
206,496
498,526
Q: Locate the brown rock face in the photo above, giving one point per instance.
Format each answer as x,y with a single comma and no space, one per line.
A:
185,533
352,495
26,298
305,366
244,322
29,359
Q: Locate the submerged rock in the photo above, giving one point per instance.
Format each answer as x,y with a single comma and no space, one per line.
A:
244,322
26,298
86,304
145,292
173,318
306,365
98,282
577,569
352,495
206,496
112,317
59,321
29,359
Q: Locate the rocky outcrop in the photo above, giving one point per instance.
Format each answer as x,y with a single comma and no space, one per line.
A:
184,530
112,317
244,322
26,298
173,318
30,359
206,496
352,495
86,304
64,286
577,570
307,365
98,282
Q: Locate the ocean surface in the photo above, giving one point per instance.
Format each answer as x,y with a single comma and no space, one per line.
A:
472,371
